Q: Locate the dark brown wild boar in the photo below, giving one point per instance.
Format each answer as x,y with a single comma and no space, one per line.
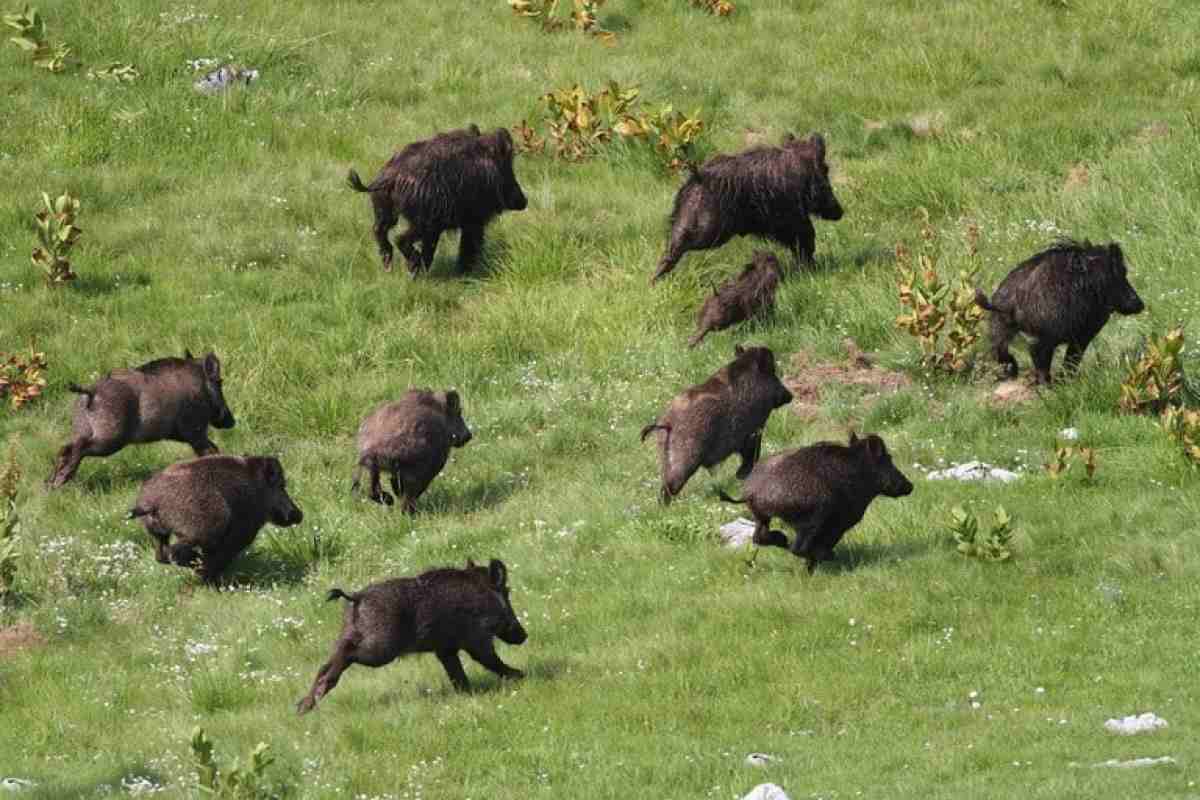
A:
411,439
764,191
214,506
170,398
458,179
740,298
441,611
822,491
1064,294
713,420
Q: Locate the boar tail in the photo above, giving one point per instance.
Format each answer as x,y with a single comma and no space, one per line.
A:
356,182
982,301
654,426
727,499
335,593
89,391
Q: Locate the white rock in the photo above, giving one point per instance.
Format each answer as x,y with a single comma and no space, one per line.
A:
223,78
973,471
738,533
1137,762
759,759
1128,726
16,784
1069,434
766,791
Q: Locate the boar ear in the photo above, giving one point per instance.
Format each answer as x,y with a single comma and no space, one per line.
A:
187,354
498,573
1115,256
453,404
212,366
473,129
788,138
874,447
853,438
738,350
504,142
470,563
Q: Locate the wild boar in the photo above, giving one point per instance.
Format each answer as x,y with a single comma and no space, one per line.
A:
169,398
711,421
764,191
411,439
821,491
1064,294
740,298
214,506
458,179
441,611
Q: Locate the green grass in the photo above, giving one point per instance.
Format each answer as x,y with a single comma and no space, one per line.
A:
656,659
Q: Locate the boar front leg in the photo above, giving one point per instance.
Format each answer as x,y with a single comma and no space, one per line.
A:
454,669
485,654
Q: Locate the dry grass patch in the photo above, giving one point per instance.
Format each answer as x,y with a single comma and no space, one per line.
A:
15,638
809,378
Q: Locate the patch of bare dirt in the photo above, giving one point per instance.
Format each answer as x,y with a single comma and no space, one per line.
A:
1077,178
16,638
1011,393
1153,131
808,378
755,137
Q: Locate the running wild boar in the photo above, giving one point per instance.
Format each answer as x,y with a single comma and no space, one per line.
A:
410,439
821,491
458,179
764,191
441,611
1064,294
214,506
169,398
713,420
740,298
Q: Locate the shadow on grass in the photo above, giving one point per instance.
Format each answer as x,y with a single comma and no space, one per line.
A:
93,286
846,558
479,496
106,481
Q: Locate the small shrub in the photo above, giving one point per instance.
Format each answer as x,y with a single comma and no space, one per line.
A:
718,8
247,782
1182,425
58,234
583,19
10,524
32,38
1156,381
942,314
992,546
580,124
21,377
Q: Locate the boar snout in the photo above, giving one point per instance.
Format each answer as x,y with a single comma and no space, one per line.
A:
224,419
287,513
1131,302
783,396
514,633
516,199
895,484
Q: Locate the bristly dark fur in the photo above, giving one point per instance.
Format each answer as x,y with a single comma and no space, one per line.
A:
457,179
738,299
1062,295
764,191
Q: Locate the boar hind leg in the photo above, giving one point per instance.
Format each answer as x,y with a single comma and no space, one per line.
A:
1002,334
377,492
454,669
327,677
385,220
1043,353
469,247
429,243
485,654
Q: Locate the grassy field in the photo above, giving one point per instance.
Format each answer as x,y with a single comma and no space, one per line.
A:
656,659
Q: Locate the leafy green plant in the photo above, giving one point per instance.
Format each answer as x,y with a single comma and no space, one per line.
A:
21,377
31,29
58,233
1183,426
1066,457
942,314
718,8
580,123
247,782
971,541
1156,381
583,18
116,71
10,523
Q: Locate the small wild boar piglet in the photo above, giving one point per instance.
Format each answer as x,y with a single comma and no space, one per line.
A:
441,611
457,179
764,191
822,491
411,439
169,398
214,506
1064,294
738,299
713,420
